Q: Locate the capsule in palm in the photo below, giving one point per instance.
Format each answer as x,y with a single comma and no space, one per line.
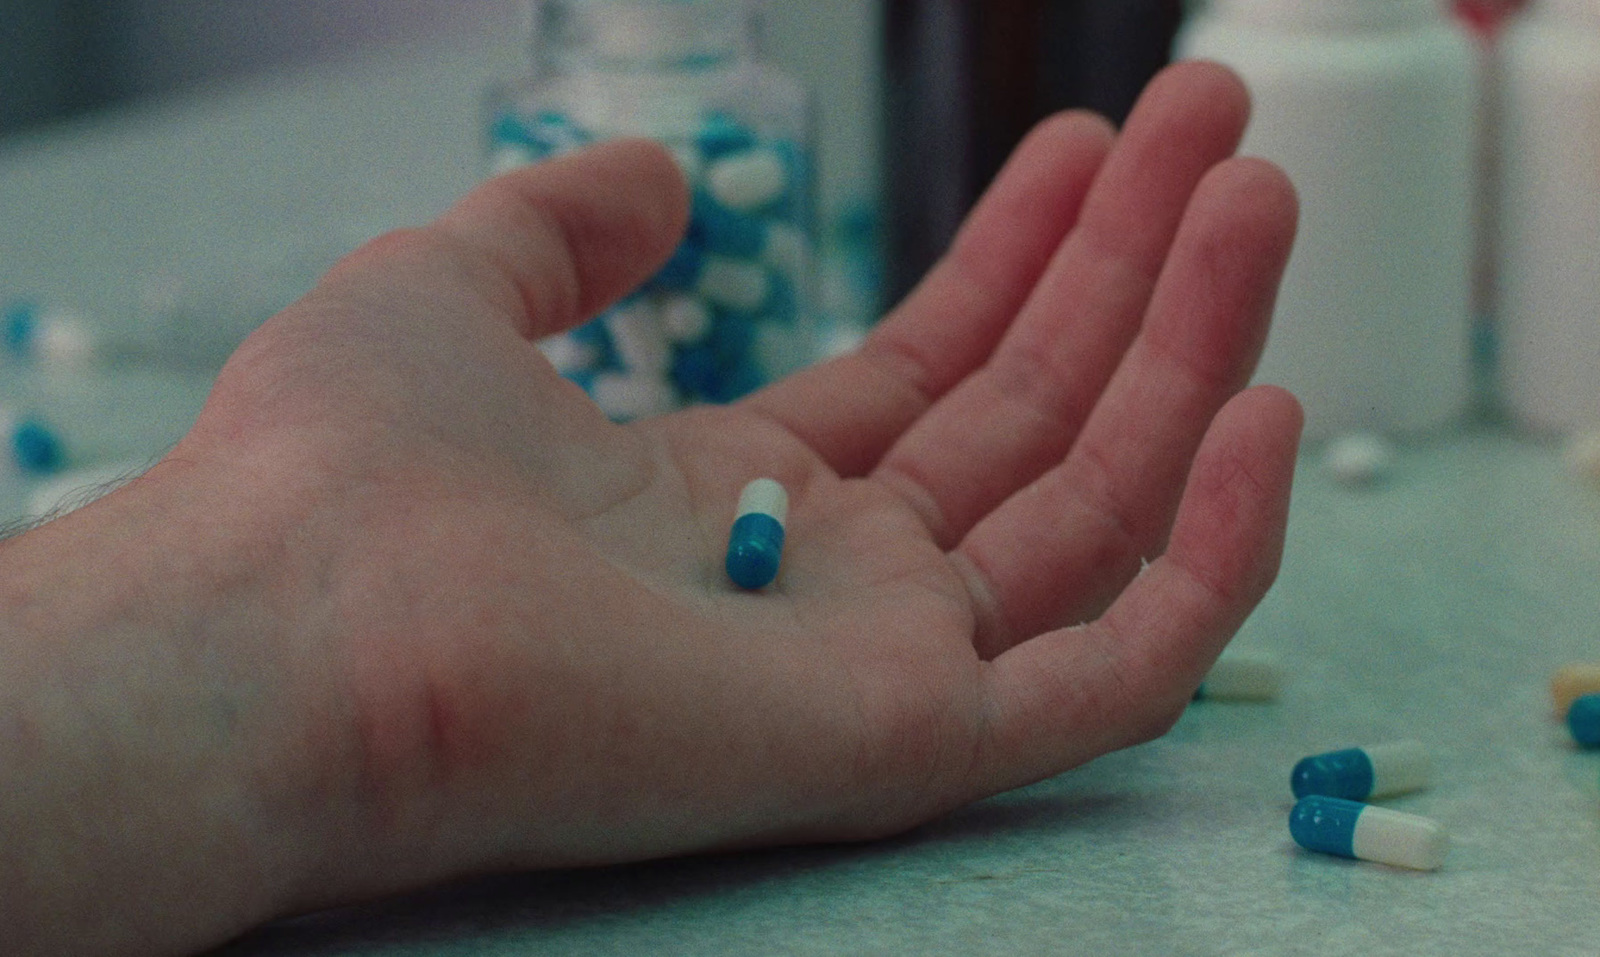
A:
1345,828
1361,774
755,545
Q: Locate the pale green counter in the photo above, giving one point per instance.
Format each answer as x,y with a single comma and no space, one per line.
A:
1434,606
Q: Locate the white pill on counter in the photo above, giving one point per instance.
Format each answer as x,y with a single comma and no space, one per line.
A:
748,180
1352,829
1240,676
1581,455
1358,458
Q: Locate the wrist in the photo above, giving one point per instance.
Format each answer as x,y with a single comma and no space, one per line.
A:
159,724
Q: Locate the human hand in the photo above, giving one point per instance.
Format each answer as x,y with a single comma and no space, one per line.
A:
496,624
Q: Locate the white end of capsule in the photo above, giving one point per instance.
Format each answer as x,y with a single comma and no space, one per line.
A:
1399,767
764,496
1243,677
1402,840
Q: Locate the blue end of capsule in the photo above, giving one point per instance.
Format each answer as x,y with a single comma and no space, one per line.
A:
37,449
1583,720
755,547
1341,774
1326,824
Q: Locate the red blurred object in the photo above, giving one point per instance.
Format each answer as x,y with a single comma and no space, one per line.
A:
1487,16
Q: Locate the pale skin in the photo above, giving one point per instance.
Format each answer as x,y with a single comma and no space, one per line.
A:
403,606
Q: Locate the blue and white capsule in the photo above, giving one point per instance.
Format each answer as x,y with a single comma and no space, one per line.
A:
1362,774
1330,825
755,546
1583,720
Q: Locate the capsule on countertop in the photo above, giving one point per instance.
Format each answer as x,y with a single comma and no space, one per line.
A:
1360,774
31,446
1331,825
755,546
1572,682
1583,720
1241,677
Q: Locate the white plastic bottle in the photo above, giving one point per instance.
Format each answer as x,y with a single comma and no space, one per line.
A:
1370,106
1549,304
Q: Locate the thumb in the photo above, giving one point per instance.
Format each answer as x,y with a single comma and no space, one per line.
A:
552,244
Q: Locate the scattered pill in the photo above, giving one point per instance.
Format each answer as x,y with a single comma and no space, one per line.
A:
755,546
31,333
1571,682
1241,677
32,447
1581,454
1361,774
1583,720
1359,458
1331,825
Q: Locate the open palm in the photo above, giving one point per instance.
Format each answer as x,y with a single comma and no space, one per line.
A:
539,659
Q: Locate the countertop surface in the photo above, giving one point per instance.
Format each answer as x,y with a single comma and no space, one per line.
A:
1434,605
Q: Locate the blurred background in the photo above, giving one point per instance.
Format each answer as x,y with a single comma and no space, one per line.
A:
964,79
177,169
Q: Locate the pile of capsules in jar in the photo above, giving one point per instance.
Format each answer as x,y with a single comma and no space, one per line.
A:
722,317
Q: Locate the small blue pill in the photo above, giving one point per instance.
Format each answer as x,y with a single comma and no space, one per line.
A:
1583,720
755,545
36,448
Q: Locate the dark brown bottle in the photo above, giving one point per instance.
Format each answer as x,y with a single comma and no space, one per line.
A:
965,80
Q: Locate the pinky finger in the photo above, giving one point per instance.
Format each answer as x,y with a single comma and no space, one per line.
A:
1069,696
